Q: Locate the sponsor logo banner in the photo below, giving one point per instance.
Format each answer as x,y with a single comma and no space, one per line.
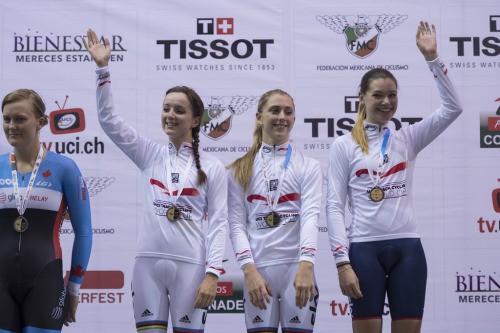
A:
214,43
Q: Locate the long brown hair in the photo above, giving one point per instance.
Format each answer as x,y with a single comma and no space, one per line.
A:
358,131
30,95
198,108
243,166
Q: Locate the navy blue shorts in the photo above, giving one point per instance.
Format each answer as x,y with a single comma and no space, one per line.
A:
396,267
41,302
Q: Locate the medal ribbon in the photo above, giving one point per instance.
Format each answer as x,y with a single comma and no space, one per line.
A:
21,206
274,203
381,159
182,180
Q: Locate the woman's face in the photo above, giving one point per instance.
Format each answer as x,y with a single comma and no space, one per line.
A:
277,119
381,101
20,124
177,118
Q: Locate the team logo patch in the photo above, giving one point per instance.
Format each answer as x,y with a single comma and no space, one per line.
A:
219,111
361,31
175,177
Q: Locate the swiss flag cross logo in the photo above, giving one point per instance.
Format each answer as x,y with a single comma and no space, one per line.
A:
225,26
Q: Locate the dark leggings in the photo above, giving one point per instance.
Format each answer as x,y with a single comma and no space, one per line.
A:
395,266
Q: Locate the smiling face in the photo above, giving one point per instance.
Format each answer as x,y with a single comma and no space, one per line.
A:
177,118
20,124
380,100
277,119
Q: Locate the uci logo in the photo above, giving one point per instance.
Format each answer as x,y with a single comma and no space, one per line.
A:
66,121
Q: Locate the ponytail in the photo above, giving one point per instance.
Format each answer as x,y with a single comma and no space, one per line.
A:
243,166
358,131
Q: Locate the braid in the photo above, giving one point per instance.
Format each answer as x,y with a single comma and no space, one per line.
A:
202,177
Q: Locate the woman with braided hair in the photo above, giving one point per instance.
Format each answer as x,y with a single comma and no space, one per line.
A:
173,270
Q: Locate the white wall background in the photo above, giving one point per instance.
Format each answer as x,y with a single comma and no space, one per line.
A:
456,178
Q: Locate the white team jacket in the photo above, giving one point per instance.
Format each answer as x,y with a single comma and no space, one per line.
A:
348,177
295,239
184,239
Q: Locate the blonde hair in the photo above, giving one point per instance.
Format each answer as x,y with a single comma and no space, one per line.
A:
358,131
243,166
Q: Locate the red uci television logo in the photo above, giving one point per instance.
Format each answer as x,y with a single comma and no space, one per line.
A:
496,199
66,121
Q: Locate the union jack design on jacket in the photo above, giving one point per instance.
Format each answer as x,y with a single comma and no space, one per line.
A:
295,239
159,238
348,177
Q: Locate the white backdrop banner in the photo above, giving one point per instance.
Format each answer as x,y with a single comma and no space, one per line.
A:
232,52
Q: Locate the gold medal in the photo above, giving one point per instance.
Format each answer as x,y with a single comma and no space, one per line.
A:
377,194
20,224
173,213
273,219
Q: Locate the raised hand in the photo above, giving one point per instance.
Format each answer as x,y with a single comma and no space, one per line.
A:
426,41
100,53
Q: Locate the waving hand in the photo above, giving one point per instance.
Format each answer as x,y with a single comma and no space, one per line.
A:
100,53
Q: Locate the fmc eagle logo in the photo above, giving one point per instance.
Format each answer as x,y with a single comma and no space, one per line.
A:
218,113
361,31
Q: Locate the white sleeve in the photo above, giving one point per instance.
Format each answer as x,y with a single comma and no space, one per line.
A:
338,180
217,217
238,221
311,192
139,149
419,135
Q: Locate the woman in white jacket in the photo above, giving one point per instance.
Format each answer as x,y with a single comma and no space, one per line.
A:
372,168
173,272
274,202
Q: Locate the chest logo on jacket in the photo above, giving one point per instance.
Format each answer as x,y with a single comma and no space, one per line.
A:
286,216
162,206
393,189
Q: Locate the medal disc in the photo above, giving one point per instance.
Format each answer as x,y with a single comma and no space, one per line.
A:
377,194
173,213
273,219
20,224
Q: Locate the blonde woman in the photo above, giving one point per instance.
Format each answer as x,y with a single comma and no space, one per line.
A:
274,202
382,253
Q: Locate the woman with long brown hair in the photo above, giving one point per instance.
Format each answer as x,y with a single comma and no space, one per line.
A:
173,270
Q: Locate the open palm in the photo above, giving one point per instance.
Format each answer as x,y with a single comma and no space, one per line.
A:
426,40
100,53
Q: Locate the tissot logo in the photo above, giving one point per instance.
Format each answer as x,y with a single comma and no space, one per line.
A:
351,104
219,26
495,23
332,127
362,32
216,48
477,45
